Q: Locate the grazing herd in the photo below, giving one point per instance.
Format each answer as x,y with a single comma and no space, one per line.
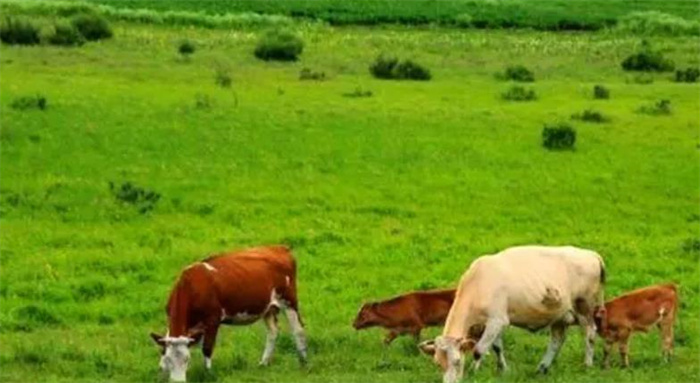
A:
531,287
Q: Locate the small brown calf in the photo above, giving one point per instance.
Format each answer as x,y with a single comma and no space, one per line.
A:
406,314
638,310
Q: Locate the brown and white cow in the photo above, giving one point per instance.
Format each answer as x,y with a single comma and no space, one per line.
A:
638,310
406,314
531,287
233,288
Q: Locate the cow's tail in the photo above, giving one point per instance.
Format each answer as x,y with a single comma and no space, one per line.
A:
601,280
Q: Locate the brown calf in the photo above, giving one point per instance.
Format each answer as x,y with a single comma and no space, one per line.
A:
236,288
638,310
406,314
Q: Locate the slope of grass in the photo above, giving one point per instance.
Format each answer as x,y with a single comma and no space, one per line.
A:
378,195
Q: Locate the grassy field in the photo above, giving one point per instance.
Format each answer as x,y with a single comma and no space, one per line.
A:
378,195
539,14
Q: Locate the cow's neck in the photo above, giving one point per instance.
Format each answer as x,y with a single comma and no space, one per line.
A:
178,312
457,318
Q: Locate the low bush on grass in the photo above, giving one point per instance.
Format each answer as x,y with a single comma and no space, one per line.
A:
590,115
29,102
687,75
358,93
92,26
19,31
391,68
308,74
601,93
659,108
186,48
129,194
519,93
558,136
279,45
64,33
222,75
517,73
647,60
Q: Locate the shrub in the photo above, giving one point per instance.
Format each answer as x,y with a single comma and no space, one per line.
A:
127,193
647,60
410,70
279,45
601,93
463,20
560,136
29,102
92,26
308,74
19,31
519,93
590,115
659,108
65,34
222,76
358,93
656,23
186,48
389,67
518,73
202,101
688,75
383,67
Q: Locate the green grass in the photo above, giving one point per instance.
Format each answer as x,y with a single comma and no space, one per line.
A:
378,195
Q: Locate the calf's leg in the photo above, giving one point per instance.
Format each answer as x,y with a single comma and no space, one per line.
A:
666,327
606,352
558,336
624,348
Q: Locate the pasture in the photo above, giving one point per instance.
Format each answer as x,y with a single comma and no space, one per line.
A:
378,195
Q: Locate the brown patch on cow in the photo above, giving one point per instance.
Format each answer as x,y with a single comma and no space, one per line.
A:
551,298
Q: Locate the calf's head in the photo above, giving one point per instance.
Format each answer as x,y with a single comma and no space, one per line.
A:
175,353
367,316
600,317
448,353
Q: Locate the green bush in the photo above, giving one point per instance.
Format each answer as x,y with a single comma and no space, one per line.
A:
601,93
222,75
657,23
390,68
92,26
518,73
659,108
29,102
647,60
688,75
186,48
19,31
65,34
590,115
358,93
129,194
559,136
308,74
519,93
279,45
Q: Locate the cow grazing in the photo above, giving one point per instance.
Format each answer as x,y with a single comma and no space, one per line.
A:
236,288
638,310
406,314
531,287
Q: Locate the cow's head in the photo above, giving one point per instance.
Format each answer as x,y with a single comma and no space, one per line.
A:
448,353
366,317
175,353
600,317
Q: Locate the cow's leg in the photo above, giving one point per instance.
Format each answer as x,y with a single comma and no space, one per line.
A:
298,331
209,341
606,352
272,331
666,327
558,336
584,317
390,336
497,348
624,348
492,332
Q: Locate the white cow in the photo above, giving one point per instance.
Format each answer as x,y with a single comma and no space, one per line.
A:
531,287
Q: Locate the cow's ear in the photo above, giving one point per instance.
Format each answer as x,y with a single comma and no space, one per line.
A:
428,347
158,339
466,344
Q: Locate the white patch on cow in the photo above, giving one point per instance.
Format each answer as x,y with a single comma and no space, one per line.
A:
223,314
207,363
275,300
208,266
287,279
176,357
662,311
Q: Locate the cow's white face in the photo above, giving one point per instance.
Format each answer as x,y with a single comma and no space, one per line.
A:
176,357
448,353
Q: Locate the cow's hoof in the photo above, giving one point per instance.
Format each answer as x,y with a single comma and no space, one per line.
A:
542,369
